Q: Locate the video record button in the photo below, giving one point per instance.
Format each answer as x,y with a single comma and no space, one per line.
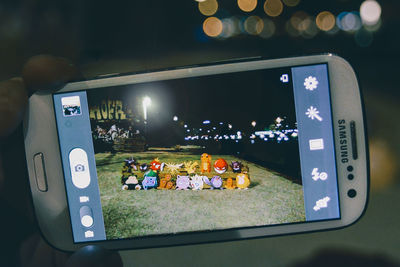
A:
86,216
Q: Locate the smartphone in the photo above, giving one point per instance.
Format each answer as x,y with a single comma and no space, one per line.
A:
218,152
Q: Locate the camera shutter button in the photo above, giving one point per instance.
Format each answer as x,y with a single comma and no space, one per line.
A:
79,165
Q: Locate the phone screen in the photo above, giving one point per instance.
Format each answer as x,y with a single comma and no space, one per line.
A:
224,151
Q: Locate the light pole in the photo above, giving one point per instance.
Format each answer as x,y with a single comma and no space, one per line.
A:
146,103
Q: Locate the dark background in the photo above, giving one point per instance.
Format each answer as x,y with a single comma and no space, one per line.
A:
122,36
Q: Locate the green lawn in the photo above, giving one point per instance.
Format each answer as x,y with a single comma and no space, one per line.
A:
271,199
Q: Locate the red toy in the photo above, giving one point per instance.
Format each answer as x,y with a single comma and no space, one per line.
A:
220,166
156,165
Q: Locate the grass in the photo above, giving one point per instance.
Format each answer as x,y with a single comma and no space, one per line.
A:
271,199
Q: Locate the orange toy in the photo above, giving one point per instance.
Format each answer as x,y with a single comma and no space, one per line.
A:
164,182
230,184
205,163
170,185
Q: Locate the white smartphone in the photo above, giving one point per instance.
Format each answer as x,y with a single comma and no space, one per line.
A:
220,152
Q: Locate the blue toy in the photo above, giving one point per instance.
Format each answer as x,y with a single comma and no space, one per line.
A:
150,180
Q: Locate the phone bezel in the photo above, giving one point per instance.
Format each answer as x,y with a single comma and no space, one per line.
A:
51,207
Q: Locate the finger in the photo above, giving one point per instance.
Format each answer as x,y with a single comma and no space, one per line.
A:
46,72
94,256
13,101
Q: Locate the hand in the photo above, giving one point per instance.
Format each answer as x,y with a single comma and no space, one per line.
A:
39,73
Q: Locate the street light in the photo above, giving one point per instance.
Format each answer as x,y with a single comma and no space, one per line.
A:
253,123
146,103
175,118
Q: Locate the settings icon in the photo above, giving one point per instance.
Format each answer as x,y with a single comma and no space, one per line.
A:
310,83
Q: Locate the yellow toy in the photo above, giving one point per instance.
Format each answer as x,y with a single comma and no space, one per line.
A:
242,181
205,163
230,184
190,166
172,168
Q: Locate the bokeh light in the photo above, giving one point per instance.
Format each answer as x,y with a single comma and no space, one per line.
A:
370,12
208,7
349,21
254,25
212,26
230,27
363,38
325,21
269,29
291,2
273,8
247,5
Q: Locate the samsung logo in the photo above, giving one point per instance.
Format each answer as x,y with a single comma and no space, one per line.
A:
344,151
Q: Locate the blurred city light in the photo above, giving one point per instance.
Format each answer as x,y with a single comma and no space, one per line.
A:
291,3
208,7
349,21
175,118
370,12
212,26
273,8
325,21
229,27
363,38
269,28
247,5
254,25
253,123
206,122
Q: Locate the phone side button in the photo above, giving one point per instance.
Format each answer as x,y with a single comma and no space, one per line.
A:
40,174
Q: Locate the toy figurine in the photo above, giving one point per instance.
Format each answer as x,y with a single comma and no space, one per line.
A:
173,168
164,181
215,183
236,166
190,166
150,180
220,166
130,183
156,165
242,181
130,165
205,163
170,185
230,184
197,182
131,162
182,182
144,167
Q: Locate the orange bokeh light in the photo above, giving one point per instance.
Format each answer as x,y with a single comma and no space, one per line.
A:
247,5
212,26
273,8
208,7
325,21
